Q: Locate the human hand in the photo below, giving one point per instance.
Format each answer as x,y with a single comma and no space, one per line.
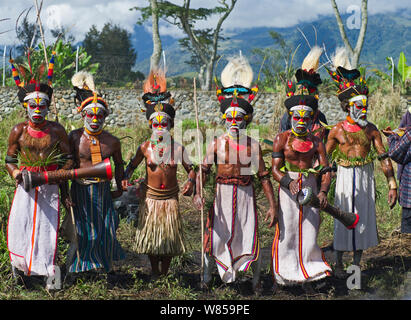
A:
125,184
294,187
392,197
272,217
322,197
198,202
388,131
67,202
187,189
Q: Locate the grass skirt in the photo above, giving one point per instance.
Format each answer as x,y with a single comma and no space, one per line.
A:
159,230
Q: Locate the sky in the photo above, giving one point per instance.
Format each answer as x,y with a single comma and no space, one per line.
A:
79,15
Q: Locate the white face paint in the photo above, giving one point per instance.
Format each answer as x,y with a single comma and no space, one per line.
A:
37,106
358,110
235,120
94,116
301,118
160,124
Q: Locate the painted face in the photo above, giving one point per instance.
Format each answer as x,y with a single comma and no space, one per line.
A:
235,121
301,118
37,107
160,124
94,116
358,110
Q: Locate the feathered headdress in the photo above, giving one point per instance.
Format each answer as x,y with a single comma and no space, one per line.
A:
349,81
304,91
156,98
86,93
28,77
235,91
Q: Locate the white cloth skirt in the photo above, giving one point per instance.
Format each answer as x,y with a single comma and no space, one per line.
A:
296,257
234,240
355,192
32,229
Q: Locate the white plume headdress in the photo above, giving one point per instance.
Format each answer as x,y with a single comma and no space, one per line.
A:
237,72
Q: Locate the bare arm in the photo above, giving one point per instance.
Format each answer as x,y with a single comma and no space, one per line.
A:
132,165
205,169
264,177
188,166
13,149
119,167
387,168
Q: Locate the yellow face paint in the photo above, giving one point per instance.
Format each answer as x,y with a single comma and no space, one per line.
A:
159,118
38,100
302,113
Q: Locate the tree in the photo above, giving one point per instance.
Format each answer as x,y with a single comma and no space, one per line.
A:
157,48
112,49
203,42
278,64
354,52
28,35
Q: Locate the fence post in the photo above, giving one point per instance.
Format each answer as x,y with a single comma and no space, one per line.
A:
4,65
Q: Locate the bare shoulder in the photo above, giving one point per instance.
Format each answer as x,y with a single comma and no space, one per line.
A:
109,138
18,128
75,134
281,138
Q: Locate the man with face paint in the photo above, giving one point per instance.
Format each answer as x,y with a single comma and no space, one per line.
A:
95,218
231,238
350,142
159,231
35,145
296,256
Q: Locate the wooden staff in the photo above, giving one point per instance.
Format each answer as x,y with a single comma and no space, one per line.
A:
75,234
201,181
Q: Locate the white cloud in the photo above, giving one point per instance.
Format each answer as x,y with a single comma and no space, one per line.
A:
80,15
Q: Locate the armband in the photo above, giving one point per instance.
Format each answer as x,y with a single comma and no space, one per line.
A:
10,159
277,155
285,181
383,156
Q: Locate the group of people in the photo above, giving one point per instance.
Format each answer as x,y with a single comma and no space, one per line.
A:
301,158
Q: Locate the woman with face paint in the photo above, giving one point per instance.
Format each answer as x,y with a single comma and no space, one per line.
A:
296,256
159,231
231,237
355,186
34,215
96,220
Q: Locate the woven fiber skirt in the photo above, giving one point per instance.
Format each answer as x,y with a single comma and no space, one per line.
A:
159,230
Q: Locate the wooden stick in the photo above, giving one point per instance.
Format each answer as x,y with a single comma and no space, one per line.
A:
75,234
201,180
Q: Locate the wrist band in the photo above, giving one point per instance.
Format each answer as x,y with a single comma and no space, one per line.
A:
383,156
10,159
285,181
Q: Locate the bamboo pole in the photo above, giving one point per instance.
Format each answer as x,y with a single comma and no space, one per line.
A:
201,181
